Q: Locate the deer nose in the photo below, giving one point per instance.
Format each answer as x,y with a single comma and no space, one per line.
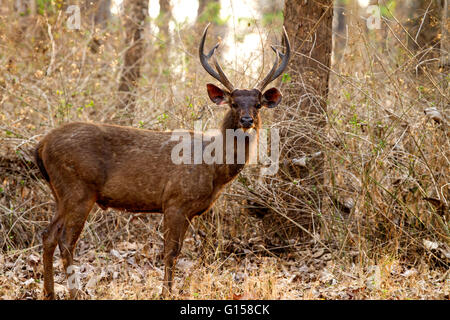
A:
247,122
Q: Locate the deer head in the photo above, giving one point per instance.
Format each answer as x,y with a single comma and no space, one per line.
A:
244,103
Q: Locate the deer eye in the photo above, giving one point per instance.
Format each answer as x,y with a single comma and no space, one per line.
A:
258,106
234,105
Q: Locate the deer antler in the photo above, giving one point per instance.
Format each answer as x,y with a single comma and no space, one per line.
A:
275,72
219,75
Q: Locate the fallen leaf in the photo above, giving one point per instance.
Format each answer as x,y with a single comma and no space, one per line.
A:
116,253
408,273
430,245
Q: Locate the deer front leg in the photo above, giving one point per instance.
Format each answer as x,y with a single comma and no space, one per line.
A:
175,226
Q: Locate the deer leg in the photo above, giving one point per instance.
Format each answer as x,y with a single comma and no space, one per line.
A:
175,226
49,242
74,219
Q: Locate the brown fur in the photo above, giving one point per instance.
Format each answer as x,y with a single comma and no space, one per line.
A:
131,169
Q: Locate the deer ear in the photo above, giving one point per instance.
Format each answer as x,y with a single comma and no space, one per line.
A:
217,95
271,98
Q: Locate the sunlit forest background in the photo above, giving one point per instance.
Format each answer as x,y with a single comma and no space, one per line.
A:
359,208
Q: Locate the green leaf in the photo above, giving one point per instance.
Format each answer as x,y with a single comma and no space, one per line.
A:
286,78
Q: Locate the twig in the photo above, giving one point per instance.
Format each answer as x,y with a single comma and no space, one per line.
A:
423,19
52,59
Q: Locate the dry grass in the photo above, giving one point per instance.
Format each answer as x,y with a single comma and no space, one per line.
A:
384,157
128,273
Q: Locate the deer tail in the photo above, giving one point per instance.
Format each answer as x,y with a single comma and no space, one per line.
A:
40,163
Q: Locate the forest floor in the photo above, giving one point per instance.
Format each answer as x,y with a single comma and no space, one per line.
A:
135,271
382,231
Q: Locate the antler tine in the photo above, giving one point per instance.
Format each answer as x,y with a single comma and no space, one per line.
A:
204,58
224,80
268,77
211,52
275,72
204,61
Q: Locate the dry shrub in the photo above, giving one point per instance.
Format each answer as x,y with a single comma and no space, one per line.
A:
387,157
384,156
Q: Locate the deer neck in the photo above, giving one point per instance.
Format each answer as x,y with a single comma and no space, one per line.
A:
237,147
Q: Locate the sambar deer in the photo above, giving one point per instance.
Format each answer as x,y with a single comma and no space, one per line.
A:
131,169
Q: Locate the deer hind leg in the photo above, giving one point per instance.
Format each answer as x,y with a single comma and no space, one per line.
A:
49,241
76,211
175,226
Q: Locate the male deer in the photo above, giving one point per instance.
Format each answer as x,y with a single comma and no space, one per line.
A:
131,169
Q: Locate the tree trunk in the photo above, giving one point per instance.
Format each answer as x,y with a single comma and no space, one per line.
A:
24,19
103,13
309,26
424,27
201,7
428,42
444,66
202,14
339,28
96,15
135,14
165,15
